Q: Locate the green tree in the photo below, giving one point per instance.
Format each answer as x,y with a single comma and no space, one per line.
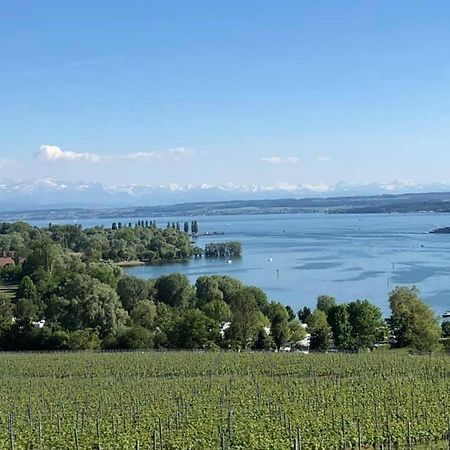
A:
303,314
26,310
133,290
6,314
247,318
325,303
136,337
144,313
229,286
194,330
263,341
291,314
218,310
367,325
174,289
339,321
412,322
44,254
320,331
86,339
27,289
106,273
279,327
91,304
207,290
297,331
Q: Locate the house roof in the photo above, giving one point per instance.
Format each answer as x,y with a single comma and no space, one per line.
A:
6,261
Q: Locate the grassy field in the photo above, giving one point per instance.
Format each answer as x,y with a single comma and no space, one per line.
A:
8,290
223,401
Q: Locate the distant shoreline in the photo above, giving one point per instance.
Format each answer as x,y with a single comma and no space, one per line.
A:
428,203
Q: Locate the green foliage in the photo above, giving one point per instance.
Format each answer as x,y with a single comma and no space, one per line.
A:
339,320
263,341
86,339
136,337
144,313
320,331
174,289
445,326
88,303
412,322
279,327
133,290
247,318
223,249
291,313
194,330
303,314
325,303
207,290
205,400
6,313
296,331
218,310
366,323
27,289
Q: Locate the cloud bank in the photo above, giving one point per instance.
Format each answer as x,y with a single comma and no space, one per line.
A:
53,153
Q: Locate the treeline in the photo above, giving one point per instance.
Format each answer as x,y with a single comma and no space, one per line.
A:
359,324
142,241
223,249
63,302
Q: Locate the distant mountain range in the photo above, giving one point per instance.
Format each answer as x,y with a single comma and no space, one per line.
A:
49,200
51,193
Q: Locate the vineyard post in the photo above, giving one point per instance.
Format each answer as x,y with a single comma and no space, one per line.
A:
359,434
154,440
409,435
448,434
40,433
161,444
98,434
77,444
11,432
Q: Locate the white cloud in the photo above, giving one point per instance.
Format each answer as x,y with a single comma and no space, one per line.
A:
278,160
323,158
53,153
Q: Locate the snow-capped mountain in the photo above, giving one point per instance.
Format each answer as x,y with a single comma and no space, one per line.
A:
47,192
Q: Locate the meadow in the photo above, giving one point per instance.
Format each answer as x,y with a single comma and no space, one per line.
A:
196,400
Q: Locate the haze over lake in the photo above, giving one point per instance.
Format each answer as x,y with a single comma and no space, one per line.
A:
348,256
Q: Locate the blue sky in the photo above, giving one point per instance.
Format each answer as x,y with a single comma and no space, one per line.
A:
243,92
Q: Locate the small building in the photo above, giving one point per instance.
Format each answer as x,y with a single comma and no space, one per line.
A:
6,261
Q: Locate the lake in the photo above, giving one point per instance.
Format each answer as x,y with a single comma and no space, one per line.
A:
296,257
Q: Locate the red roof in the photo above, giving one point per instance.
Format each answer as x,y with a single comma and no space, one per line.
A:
6,261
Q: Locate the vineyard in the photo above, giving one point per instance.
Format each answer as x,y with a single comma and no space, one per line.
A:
169,401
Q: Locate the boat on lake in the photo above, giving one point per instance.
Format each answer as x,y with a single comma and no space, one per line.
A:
443,230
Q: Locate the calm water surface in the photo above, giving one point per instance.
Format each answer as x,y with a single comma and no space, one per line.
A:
294,258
